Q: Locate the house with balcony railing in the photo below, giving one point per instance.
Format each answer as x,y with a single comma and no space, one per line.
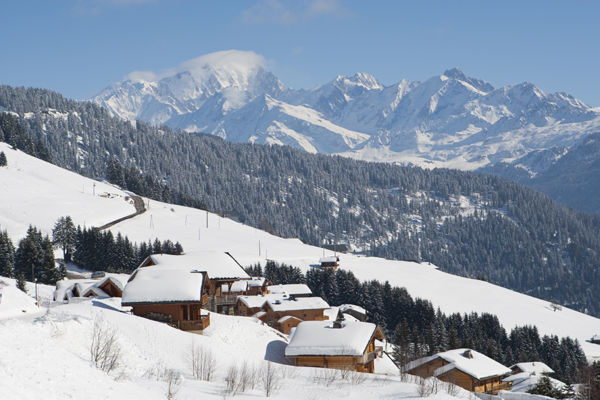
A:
335,344
466,368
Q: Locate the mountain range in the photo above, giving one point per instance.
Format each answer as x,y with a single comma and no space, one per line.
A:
450,120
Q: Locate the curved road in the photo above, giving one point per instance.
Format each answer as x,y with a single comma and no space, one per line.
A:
140,208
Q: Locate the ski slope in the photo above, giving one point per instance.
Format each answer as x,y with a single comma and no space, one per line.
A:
198,230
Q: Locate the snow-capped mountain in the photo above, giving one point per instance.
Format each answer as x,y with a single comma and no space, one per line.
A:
448,120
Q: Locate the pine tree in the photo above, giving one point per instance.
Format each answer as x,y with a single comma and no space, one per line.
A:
7,255
21,283
64,236
3,161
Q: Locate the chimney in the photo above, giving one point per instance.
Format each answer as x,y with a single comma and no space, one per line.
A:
337,324
468,354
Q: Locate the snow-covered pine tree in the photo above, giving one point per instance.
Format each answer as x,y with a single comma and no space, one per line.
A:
3,161
7,255
64,236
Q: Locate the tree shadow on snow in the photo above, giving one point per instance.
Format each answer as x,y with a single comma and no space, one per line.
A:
276,352
100,304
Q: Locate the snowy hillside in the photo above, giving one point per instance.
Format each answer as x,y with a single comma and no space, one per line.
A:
197,230
450,120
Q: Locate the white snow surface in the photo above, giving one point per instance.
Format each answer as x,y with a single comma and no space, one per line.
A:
479,366
290,289
298,303
216,263
535,367
320,338
188,226
161,284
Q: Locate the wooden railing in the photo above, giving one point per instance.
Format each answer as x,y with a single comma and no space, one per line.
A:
195,325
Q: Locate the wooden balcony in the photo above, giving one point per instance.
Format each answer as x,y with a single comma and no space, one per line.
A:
195,325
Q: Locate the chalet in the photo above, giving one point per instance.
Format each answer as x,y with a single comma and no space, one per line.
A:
174,295
222,270
111,286
525,376
331,262
291,289
303,308
285,324
356,311
466,368
249,305
335,344
257,285
595,339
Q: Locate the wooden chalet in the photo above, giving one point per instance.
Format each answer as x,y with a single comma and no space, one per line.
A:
247,306
335,344
285,324
331,262
303,308
526,375
257,285
466,368
174,295
109,286
221,268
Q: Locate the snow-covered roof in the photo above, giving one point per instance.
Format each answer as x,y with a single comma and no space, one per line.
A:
347,307
236,287
330,259
332,313
524,381
94,291
256,281
259,300
536,367
163,285
468,361
298,303
218,265
596,338
64,287
320,338
291,289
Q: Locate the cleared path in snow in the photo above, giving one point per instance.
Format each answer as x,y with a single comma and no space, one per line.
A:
140,208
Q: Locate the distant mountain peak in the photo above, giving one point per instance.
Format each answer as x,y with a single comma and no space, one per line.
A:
456,73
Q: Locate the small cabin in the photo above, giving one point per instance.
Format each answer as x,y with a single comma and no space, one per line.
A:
335,344
109,286
331,262
466,368
171,295
526,375
303,308
595,339
285,324
247,306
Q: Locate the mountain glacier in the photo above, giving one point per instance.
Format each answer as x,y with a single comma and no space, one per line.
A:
450,120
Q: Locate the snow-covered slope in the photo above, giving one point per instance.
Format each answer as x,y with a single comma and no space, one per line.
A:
450,120
249,245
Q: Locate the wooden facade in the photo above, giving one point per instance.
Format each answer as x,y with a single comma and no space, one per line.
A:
305,315
185,316
110,288
490,385
286,324
362,363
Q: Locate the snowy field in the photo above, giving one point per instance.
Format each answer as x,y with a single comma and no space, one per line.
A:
45,351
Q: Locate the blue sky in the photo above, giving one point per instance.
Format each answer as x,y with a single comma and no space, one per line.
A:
78,47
